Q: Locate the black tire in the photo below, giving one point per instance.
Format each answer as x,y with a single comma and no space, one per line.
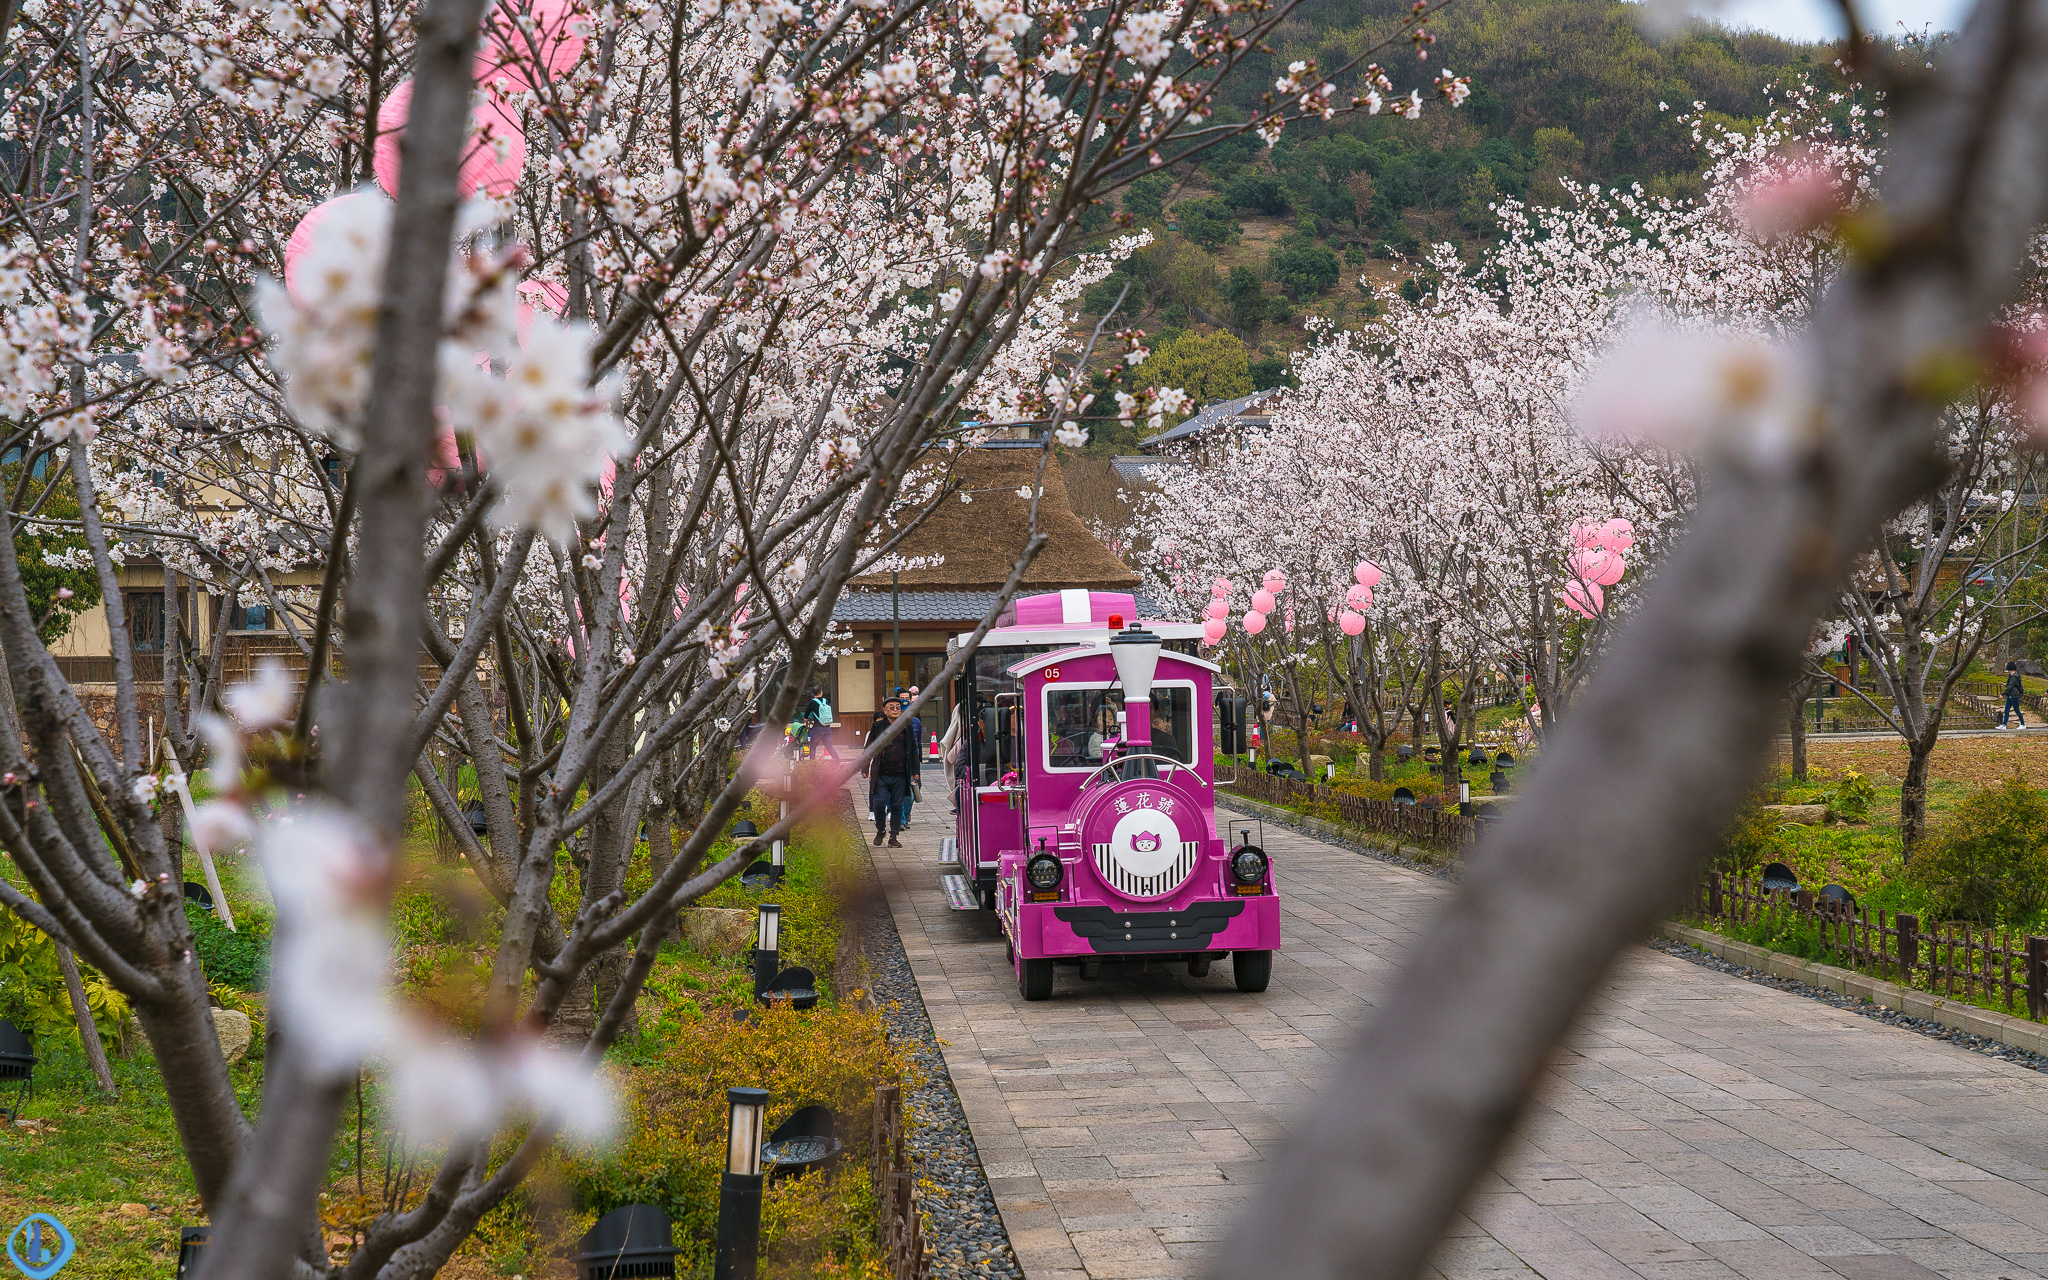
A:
988,897
1034,980
1199,967
1252,969
1009,951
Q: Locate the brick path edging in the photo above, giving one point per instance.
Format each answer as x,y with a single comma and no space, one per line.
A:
1953,1014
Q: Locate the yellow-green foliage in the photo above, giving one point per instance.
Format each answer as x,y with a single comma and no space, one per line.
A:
1749,840
831,1055
1988,860
32,994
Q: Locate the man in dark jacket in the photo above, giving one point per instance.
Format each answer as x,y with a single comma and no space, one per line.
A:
2013,689
892,767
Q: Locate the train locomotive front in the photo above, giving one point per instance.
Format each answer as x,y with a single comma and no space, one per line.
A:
1087,802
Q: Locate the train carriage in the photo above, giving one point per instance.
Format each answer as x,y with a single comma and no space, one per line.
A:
1089,831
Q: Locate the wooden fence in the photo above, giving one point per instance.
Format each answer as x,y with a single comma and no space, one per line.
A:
895,1181
1950,959
1421,824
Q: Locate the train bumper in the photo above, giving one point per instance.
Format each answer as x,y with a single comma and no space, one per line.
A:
1090,929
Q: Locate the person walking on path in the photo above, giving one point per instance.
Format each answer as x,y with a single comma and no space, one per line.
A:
916,736
2013,689
821,736
892,767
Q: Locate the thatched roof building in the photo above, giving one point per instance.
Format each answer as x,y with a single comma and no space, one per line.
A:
982,538
903,632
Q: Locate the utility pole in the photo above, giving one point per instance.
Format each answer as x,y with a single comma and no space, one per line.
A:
895,639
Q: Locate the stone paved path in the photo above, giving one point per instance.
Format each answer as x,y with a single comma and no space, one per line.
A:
1696,1127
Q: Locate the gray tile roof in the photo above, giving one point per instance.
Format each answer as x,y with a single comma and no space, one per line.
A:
918,606
1143,467
1213,414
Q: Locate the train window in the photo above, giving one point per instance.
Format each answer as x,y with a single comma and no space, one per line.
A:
1078,720
997,699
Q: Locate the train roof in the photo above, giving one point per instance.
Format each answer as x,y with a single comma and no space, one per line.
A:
1069,618
1031,664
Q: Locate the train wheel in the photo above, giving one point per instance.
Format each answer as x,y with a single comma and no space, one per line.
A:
1252,969
1034,979
988,898
1199,967
1009,951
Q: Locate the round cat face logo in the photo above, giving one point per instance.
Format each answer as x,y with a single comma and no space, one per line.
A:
1145,842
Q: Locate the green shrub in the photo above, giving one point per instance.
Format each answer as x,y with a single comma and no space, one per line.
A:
1259,192
1145,198
1748,841
1208,222
32,994
1851,798
833,1055
1304,270
238,958
1988,860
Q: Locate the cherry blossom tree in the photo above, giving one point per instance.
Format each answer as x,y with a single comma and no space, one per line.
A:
1945,582
589,350
1804,452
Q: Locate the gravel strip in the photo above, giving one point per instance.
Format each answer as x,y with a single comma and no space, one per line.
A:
1271,814
1855,1004
967,1235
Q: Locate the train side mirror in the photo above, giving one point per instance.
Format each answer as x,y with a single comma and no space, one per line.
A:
1231,720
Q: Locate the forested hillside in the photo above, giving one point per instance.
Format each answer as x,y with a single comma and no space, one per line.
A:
1251,241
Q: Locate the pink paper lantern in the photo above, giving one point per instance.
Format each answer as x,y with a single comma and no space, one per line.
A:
1350,623
1254,622
1263,601
1597,566
1359,597
1617,535
1216,609
491,123
1220,589
560,32
1213,629
1276,581
1367,573
301,241
1583,598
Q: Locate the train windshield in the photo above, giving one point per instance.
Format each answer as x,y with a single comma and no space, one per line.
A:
1078,721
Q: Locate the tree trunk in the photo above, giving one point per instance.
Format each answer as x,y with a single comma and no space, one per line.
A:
1913,793
88,1033
1376,763
1801,693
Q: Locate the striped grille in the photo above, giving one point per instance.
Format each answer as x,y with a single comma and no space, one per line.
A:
1134,886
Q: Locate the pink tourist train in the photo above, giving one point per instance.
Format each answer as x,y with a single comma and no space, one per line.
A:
1088,828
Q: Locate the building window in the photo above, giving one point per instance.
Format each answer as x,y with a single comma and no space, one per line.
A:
145,610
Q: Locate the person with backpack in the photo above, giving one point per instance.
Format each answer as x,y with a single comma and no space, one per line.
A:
821,737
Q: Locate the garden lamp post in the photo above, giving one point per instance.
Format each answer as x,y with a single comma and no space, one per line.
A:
739,1187
775,849
767,941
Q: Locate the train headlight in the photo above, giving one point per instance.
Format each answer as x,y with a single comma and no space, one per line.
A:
1044,872
1248,865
